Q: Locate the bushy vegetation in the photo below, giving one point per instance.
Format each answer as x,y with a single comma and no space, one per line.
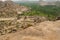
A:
50,11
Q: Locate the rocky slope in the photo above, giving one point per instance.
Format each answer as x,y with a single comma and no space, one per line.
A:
25,27
10,9
8,15
9,25
48,30
10,19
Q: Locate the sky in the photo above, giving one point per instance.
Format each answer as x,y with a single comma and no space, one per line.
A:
20,0
32,0
25,0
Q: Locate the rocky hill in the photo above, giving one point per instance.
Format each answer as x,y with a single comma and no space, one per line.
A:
11,20
43,3
8,15
16,27
10,9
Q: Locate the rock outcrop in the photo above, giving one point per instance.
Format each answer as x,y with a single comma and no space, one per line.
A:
10,9
8,16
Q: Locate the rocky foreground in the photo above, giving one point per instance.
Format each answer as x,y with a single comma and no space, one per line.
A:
47,30
13,26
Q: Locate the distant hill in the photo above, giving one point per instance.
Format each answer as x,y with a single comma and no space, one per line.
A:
49,3
58,3
26,1
40,2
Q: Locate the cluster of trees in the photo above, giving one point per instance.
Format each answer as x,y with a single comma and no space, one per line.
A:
50,11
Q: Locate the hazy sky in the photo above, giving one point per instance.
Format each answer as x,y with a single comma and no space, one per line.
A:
25,0
34,0
20,0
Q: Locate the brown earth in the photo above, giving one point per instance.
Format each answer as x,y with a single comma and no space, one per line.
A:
48,30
